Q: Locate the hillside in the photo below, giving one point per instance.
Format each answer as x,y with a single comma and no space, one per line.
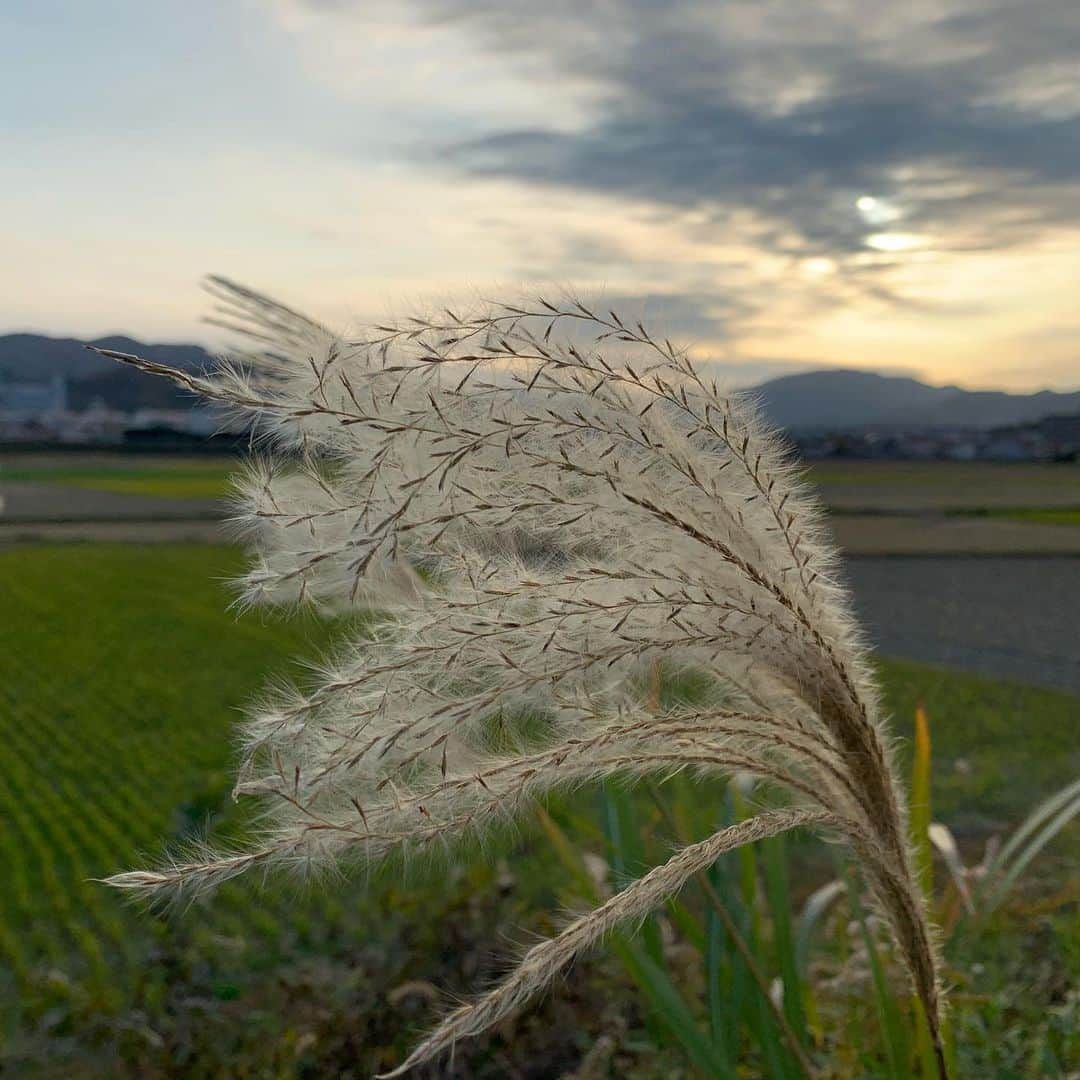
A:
837,399
37,358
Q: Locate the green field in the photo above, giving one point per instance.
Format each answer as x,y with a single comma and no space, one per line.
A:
1041,515
1024,491
120,674
166,477
1038,478
120,671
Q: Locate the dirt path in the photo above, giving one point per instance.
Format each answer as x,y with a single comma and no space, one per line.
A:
208,531
52,512
23,501
939,534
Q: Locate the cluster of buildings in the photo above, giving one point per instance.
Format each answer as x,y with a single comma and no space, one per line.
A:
1054,438
39,412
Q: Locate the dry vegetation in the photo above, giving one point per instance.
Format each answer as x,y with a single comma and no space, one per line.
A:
546,505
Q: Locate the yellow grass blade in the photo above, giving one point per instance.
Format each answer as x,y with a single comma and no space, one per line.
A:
920,803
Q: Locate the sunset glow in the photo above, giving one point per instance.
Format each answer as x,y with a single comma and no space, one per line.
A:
909,207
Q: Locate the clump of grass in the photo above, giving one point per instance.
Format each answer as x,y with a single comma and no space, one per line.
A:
545,503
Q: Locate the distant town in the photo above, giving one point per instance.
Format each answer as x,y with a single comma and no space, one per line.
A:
56,394
1054,438
35,414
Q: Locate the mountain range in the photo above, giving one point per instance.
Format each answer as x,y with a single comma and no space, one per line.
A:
829,399
842,399
90,377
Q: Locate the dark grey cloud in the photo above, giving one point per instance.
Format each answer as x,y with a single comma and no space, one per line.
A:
799,156
964,116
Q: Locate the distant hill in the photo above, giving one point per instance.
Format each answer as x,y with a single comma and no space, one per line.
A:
126,389
37,358
812,401
842,399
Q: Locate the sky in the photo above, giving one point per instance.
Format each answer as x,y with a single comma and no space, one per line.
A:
781,184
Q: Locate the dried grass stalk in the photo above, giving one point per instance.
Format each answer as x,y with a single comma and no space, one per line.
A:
543,503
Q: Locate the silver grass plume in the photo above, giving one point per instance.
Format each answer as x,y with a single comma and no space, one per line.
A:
545,506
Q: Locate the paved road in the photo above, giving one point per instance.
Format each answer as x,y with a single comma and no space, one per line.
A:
1014,618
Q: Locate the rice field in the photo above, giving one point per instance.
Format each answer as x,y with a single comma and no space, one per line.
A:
120,674
1040,515
949,486
1025,491
173,477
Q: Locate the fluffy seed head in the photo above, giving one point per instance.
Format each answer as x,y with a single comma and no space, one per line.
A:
544,506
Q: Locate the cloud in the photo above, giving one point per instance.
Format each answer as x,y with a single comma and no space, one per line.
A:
963,116
781,182
794,110
854,168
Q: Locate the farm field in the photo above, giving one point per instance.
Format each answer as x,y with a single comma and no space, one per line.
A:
946,486
120,674
163,476
877,508
1024,491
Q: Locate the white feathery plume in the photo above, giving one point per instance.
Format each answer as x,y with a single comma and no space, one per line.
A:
542,504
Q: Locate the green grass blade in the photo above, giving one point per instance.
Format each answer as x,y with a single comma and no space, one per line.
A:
774,861
667,1005
670,1007
757,1014
688,924
626,847
1046,809
717,981
1041,812
894,1037
749,1011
